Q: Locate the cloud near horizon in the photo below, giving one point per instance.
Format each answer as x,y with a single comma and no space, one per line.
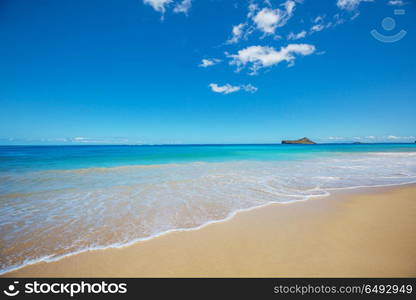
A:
370,138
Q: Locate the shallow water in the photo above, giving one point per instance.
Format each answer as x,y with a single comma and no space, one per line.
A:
55,201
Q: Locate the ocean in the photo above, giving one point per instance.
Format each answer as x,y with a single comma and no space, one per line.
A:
60,200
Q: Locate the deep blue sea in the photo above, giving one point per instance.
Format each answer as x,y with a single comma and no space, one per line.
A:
60,200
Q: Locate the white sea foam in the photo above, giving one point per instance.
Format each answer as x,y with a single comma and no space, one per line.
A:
51,214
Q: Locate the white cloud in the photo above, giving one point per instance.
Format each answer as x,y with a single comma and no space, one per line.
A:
158,5
228,88
183,7
161,5
96,140
350,4
267,19
252,8
237,33
334,138
397,2
317,27
224,89
337,20
249,88
372,138
394,137
209,62
289,6
261,56
319,24
296,36
318,19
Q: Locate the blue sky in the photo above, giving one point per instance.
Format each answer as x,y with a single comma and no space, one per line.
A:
174,71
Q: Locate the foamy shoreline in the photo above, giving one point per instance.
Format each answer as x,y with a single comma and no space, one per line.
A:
349,192
49,259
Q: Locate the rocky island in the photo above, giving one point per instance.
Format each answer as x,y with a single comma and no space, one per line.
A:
303,141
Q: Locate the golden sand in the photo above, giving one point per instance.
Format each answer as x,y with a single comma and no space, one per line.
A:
369,233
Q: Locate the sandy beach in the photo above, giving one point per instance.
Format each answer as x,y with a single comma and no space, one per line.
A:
358,233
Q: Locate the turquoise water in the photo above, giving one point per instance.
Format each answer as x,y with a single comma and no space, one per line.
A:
25,158
60,200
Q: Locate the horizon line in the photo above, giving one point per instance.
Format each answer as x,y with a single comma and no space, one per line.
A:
202,144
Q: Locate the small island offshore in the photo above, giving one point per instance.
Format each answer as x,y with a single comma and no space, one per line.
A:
303,141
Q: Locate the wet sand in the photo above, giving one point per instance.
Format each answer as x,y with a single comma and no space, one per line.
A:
358,233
